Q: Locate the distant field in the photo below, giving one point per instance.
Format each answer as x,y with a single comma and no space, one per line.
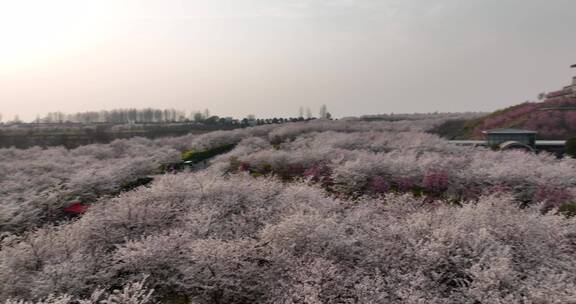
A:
75,135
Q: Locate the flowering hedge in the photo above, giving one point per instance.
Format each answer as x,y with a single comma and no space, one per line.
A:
246,240
318,212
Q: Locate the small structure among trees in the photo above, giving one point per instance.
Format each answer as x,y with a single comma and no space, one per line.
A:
500,136
516,139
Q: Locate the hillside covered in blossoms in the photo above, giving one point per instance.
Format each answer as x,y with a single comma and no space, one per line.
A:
553,118
322,211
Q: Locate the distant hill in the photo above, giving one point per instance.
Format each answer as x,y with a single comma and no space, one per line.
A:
553,118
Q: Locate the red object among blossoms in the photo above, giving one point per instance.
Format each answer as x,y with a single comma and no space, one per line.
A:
76,208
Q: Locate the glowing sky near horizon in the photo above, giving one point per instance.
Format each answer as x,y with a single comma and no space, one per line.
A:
268,57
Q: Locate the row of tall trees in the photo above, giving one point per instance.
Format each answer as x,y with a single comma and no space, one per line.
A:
122,116
150,115
16,119
307,113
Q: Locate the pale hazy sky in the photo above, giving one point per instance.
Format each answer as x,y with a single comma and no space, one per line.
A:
268,57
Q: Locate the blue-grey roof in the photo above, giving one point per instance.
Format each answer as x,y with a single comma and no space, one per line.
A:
509,131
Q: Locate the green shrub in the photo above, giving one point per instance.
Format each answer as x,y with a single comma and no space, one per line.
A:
189,154
569,210
196,156
570,148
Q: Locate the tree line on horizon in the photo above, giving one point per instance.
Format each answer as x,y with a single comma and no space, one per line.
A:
150,115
